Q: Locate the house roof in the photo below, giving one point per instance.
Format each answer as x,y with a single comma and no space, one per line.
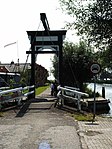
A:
14,67
3,69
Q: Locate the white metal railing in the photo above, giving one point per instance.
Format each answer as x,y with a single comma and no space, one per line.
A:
11,90
28,87
15,94
30,92
72,88
3,88
70,94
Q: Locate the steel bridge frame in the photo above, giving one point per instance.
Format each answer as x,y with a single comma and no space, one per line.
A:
39,39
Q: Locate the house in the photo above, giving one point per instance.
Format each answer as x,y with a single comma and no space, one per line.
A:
6,75
16,71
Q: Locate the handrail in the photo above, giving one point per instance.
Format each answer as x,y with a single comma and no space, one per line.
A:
17,94
28,87
74,91
11,90
2,88
73,88
16,89
77,98
26,94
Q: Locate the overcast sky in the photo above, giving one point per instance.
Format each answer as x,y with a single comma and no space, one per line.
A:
19,16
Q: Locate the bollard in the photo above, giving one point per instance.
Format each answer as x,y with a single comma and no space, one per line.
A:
103,92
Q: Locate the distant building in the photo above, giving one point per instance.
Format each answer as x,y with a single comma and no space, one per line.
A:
3,69
15,71
6,75
41,75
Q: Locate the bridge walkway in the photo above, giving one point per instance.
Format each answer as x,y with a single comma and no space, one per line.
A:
38,125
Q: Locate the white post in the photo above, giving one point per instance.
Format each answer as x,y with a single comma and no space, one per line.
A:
78,102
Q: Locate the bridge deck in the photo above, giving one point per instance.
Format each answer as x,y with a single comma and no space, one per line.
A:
37,124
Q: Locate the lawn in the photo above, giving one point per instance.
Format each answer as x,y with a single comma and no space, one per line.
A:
41,89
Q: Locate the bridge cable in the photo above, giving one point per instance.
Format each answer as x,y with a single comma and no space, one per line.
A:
71,70
68,60
30,48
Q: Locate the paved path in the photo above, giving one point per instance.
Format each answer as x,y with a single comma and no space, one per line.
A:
97,135
38,125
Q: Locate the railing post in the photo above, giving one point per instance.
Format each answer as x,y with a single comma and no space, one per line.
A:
78,102
77,98
103,92
32,79
62,100
0,104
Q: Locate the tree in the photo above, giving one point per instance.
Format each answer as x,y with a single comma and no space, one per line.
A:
76,64
106,58
54,71
92,19
41,75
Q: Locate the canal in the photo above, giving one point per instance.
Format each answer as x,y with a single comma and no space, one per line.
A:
108,93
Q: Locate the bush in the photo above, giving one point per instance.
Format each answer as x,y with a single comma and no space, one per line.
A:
90,92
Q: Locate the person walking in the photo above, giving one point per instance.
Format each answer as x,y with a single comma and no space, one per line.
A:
52,89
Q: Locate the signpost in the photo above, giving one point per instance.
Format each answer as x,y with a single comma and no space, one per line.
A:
95,69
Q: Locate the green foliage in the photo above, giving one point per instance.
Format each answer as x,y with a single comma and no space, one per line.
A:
55,63
39,90
90,92
25,76
82,117
106,57
91,19
11,82
1,114
77,59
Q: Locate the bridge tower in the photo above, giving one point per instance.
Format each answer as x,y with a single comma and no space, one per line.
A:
47,39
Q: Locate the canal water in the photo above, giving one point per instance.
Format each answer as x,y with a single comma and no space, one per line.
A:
108,93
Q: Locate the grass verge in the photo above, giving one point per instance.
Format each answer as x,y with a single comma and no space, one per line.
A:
1,114
82,117
41,89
